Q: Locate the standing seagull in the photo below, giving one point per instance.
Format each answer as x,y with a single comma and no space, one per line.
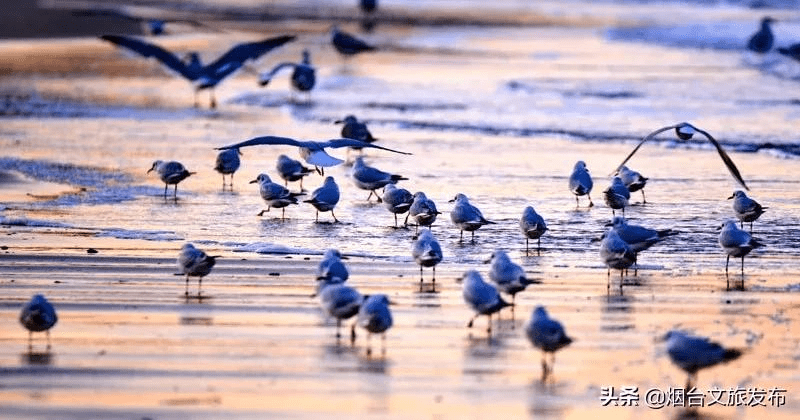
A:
547,334
325,197
617,196
341,302
616,254
368,178
354,129
423,210
313,152
746,209
331,269
202,77
508,276
532,226
466,216
580,182
276,195
397,200
291,170
348,45
227,163
482,297
194,262
736,243
686,131
303,74
692,353
633,180
170,172
38,315
639,238
427,253
375,317
761,41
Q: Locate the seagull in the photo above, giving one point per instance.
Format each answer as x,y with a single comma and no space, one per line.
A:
616,253
792,51
692,353
685,131
580,182
508,276
276,195
170,172
617,195
356,130
313,152
423,210
291,170
482,297
331,269
202,77
341,302
633,180
397,200
746,209
303,74
736,243
761,41
547,334
466,216
375,317
325,197
427,253
195,263
348,45
368,6
227,163
639,238
38,315
370,179
532,226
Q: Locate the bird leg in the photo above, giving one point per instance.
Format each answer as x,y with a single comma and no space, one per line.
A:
165,190
469,324
420,276
353,334
742,267
591,204
526,246
727,260
538,246
489,326
383,344
338,325
334,217
187,286
644,200
369,345
213,103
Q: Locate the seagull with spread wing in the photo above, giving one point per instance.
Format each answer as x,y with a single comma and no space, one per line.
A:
202,76
313,152
685,131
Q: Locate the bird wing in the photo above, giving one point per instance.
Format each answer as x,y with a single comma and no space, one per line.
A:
725,158
647,137
336,143
236,56
150,50
265,77
268,140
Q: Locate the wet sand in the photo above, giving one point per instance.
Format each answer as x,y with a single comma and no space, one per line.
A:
254,344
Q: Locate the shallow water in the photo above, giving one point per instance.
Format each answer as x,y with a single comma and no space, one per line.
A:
500,114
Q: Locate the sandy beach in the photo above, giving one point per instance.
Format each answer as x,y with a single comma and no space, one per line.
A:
486,112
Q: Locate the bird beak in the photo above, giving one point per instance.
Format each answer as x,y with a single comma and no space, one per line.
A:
731,196
392,303
451,201
344,257
253,181
149,170
338,122
487,261
609,224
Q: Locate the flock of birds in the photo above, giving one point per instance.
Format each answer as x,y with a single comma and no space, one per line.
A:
619,245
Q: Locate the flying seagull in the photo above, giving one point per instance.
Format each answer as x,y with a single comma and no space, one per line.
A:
202,77
685,131
312,151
